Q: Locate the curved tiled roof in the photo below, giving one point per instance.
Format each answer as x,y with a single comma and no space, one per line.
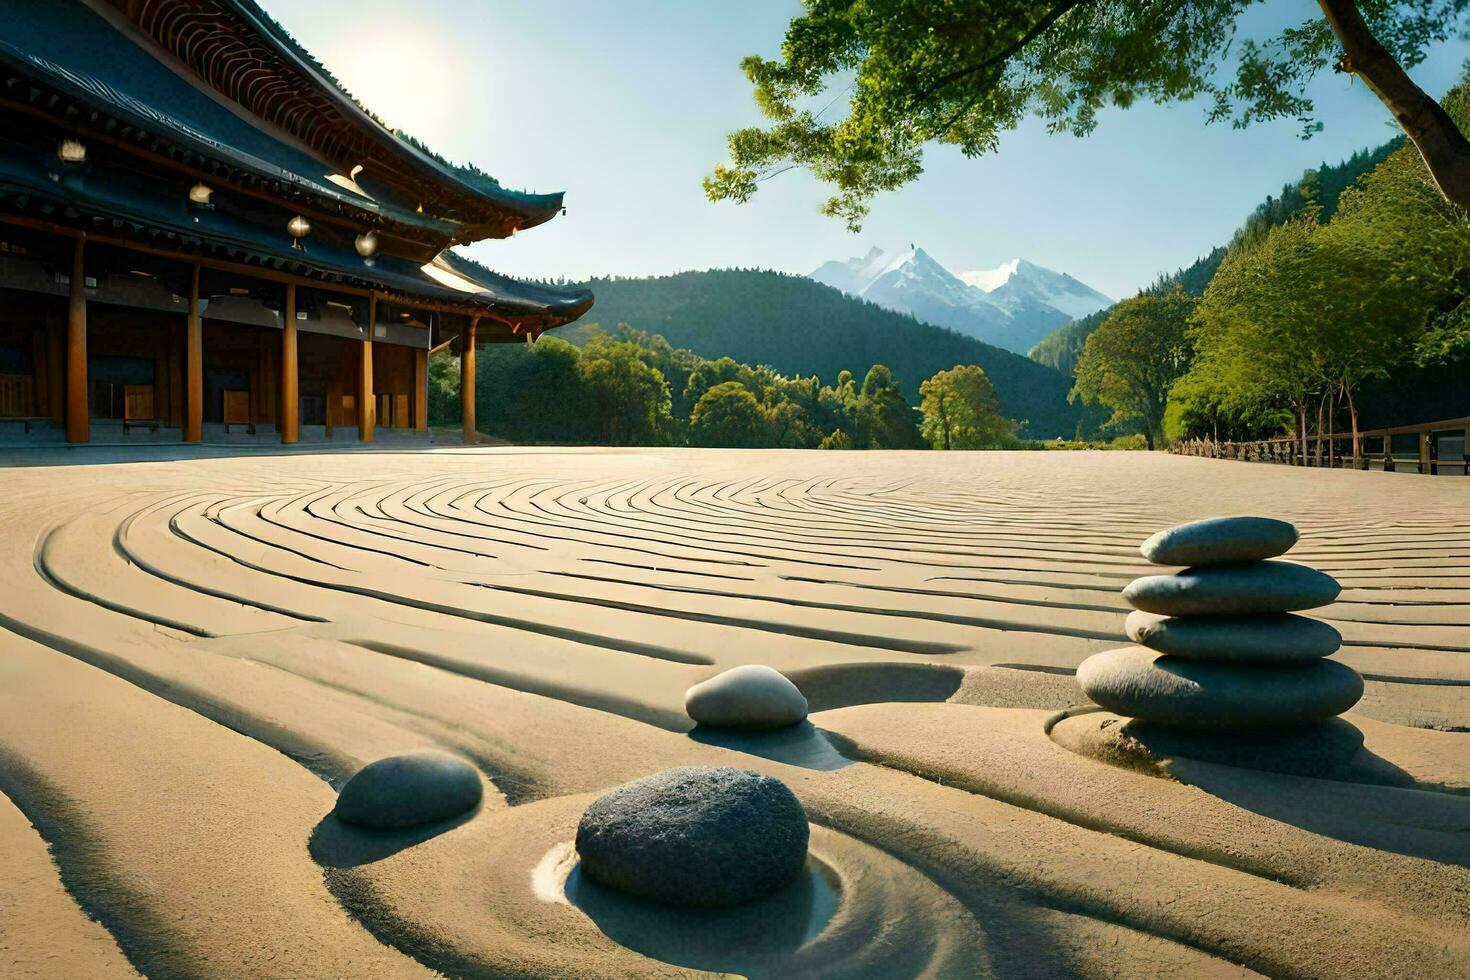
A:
246,56
110,205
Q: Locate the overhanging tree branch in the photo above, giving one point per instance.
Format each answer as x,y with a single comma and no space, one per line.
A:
1037,29
1445,149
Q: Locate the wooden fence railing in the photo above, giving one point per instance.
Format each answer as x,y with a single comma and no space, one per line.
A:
1431,447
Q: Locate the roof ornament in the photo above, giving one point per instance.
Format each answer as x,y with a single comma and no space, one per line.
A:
367,246
72,153
299,228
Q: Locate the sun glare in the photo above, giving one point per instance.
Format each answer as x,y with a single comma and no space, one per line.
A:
399,71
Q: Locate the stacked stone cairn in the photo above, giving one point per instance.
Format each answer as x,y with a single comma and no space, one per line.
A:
1218,646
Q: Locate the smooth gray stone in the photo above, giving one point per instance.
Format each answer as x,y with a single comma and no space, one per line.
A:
1139,683
695,836
409,790
1252,587
1220,539
1270,638
752,696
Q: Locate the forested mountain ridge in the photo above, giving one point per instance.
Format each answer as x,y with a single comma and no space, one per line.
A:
1320,187
798,326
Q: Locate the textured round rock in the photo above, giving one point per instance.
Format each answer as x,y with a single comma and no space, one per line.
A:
1270,638
1220,539
695,836
1252,587
409,790
1140,683
752,696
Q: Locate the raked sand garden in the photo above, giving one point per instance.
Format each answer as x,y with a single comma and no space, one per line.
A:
197,654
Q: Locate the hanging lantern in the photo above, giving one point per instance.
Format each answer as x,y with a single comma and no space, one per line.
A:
299,228
72,152
367,246
199,196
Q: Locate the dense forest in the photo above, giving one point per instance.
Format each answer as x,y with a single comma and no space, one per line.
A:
800,327
1318,189
1341,305
628,387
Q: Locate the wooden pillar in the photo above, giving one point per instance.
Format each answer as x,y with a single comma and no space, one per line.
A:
467,381
194,365
77,388
1426,452
366,403
421,390
290,397
1387,453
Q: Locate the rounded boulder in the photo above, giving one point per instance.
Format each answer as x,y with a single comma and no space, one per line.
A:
1220,539
695,836
409,791
1250,587
1270,638
1139,683
752,696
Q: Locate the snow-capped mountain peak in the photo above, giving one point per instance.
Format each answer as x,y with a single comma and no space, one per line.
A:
1012,305
991,279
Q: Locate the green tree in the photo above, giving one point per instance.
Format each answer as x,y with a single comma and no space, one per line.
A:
964,71
836,440
882,416
628,399
543,394
961,411
728,415
1130,362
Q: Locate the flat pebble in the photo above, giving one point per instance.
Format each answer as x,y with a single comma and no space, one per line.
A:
1269,638
1138,683
409,790
751,696
1251,587
1220,539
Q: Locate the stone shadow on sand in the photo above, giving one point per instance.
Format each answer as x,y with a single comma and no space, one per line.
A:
1319,778
845,685
803,745
337,844
751,940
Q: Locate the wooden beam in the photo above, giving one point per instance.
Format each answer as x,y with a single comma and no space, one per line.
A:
194,364
421,390
290,398
366,404
259,272
77,387
351,225
467,382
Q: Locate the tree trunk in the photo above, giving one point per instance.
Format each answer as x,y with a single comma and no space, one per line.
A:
1316,454
1301,416
1353,413
1445,149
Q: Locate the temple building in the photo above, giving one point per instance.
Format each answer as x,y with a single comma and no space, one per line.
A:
202,237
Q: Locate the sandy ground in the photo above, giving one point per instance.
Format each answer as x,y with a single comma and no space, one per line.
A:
194,652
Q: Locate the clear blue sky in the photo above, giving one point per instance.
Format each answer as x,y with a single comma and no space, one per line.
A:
624,104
